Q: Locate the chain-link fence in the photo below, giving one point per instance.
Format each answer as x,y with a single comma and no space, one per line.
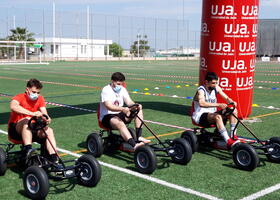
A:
136,37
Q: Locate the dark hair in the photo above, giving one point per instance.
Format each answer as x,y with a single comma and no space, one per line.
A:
34,83
118,76
211,76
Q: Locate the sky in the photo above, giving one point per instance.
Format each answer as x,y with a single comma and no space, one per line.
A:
167,9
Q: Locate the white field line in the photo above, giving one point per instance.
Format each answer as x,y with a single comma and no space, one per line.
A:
262,192
145,177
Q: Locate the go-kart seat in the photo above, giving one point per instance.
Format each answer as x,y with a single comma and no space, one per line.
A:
15,141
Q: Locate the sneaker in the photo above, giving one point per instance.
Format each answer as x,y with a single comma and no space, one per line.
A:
231,142
139,145
142,139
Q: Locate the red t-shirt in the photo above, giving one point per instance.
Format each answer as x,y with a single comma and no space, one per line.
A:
28,104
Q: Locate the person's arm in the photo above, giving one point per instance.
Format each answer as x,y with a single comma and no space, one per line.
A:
129,102
16,107
203,103
224,96
114,108
45,112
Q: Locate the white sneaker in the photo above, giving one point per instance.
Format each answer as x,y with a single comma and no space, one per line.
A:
142,139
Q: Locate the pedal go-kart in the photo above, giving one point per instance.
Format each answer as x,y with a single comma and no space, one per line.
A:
246,153
145,157
39,169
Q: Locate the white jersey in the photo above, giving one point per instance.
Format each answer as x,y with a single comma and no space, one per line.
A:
209,98
108,94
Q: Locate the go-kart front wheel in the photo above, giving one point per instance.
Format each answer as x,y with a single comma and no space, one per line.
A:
3,163
274,150
145,160
191,137
36,182
182,151
89,171
95,145
245,157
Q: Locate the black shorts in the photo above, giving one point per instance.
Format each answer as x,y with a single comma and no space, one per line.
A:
204,122
14,135
107,118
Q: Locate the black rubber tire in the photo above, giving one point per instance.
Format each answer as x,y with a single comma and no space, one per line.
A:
191,137
133,133
3,162
245,157
89,171
183,151
275,157
95,145
36,182
145,160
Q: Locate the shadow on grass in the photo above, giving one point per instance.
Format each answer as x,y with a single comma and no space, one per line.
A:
58,112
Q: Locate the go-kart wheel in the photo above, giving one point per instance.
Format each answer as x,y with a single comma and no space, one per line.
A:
274,151
89,172
145,160
36,182
95,145
245,157
3,163
182,151
191,137
133,133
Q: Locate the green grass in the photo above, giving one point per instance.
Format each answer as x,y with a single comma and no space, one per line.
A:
78,84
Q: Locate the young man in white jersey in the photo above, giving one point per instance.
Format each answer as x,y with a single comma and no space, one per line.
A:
112,113
205,108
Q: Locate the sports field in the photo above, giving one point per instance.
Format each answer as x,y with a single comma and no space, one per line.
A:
165,89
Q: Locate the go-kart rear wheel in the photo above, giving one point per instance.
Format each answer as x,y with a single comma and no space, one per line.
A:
89,172
191,137
182,151
245,157
36,182
3,163
274,152
145,159
95,145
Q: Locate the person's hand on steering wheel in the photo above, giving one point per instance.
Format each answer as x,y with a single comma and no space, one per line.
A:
126,111
37,114
222,105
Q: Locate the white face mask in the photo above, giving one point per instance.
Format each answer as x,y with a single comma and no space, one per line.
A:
117,89
33,96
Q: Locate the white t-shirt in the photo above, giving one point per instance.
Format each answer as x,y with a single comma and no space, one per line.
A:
209,98
108,94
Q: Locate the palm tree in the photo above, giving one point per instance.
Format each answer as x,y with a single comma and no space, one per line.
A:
20,34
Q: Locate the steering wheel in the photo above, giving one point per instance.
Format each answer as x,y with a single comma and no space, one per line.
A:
134,110
228,110
38,123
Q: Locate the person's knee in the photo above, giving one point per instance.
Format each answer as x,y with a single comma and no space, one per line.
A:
218,118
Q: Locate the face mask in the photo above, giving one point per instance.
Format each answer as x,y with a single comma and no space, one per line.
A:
117,89
33,96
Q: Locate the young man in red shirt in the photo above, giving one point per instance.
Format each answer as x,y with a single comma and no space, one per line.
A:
23,107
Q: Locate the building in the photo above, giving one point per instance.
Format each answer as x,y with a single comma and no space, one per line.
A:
74,49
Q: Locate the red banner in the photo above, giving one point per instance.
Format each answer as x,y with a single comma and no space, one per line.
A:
228,48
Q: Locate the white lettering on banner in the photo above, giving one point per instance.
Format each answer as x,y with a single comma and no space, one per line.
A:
247,46
236,29
244,81
255,28
220,46
224,82
233,65
222,10
204,28
203,63
250,10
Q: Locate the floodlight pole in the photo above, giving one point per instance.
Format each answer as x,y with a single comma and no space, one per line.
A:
53,31
138,44
15,48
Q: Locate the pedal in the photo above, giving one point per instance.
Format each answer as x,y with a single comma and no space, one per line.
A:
126,147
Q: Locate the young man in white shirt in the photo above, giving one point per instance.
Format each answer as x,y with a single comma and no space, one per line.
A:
205,108
112,113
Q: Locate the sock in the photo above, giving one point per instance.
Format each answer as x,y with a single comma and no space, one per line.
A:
27,147
131,141
232,127
224,134
138,132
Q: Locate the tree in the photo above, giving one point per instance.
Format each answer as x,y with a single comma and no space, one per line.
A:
115,49
143,47
20,34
